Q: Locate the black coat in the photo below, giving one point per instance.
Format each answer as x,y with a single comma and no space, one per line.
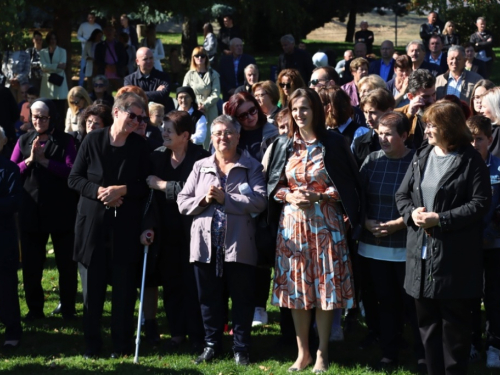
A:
454,267
150,84
11,190
300,60
341,168
94,167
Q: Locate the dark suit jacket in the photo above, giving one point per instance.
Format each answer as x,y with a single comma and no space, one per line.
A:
227,77
155,79
443,64
375,68
300,60
433,68
100,58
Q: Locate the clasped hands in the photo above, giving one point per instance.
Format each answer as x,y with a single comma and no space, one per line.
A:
424,219
111,196
302,199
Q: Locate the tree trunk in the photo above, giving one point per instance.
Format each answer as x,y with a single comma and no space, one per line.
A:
189,38
351,23
62,27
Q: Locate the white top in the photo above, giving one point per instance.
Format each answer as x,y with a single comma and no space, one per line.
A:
389,254
84,32
201,129
158,52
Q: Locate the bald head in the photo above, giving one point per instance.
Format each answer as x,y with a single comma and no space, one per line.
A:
144,60
236,46
386,50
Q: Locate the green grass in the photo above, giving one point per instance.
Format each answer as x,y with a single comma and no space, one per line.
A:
53,346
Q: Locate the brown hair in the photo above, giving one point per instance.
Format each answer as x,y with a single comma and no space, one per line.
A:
270,88
403,62
181,120
380,99
297,83
487,84
236,100
449,119
318,121
478,124
340,103
357,63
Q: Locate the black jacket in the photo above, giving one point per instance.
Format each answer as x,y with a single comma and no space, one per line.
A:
365,145
341,169
120,58
300,60
454,266
97,165
375,68
11,190
228,82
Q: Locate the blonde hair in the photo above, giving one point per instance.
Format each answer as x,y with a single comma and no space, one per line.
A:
449,23
78,92
374,81
196,51
155,107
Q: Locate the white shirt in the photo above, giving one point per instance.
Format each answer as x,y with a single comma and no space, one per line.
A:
85,30
201,129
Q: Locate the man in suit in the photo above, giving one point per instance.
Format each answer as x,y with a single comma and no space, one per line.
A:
155,84
457,81
384,66
436,54
416,50
294,58
231,68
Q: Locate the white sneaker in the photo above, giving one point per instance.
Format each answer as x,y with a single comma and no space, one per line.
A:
259,316
336,334
493,357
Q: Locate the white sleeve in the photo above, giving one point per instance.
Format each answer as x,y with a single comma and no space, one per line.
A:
201,131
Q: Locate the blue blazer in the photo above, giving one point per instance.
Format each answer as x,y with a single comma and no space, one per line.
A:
375,68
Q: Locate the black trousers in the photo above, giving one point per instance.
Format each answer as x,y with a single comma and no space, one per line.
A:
445,327
367,294
388,279
95,279
180,293
491,302
239,279
262,285
10,314
33,258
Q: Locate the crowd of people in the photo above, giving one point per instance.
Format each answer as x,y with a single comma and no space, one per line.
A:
373,185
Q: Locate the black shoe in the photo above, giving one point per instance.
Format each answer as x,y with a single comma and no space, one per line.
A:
207,356
370,339
151,331
242,358
31,316
57,310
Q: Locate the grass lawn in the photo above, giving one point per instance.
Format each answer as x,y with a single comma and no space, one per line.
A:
54,346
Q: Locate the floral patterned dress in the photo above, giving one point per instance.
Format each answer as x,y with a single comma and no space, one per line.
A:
313,267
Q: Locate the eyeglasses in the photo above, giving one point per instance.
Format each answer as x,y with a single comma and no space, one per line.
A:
40,118
243,116
287,85
225,133
140,119
99,85
314,82
75,102
200,56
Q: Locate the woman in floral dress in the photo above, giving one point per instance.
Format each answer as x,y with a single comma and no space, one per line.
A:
314,183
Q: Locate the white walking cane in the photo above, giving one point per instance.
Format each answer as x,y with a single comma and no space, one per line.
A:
138,338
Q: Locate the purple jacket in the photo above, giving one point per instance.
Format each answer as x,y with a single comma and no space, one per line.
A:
240,231
351,90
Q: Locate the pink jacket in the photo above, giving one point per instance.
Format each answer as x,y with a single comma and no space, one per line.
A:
240,231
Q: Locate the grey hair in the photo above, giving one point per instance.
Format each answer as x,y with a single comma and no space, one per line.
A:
458,48
287,38
127,100
100,77
226,120
480,19
419,42
251,66
234,40
40,106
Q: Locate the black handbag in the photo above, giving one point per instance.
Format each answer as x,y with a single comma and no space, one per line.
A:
56,79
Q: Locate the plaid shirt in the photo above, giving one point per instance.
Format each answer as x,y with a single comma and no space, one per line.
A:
382,176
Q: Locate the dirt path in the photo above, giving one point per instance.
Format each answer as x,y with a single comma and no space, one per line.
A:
382,27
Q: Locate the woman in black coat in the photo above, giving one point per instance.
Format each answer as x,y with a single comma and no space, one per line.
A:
10,201
443,198
171,165
110,174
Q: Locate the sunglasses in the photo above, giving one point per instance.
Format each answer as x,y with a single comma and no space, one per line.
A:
314,82
75,102
99,85
200,56
243,116
140,119
287,85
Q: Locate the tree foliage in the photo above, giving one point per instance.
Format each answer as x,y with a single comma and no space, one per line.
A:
10,27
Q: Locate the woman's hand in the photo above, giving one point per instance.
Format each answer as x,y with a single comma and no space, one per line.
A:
215,193
424,219
111,194
147,237
302,199
156,183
